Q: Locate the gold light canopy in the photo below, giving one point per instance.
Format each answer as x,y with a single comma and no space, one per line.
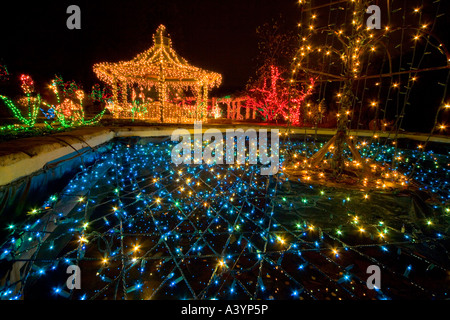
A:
159,67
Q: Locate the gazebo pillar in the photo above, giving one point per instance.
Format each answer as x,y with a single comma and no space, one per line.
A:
205,101
115,98
199,102
124,95
162,92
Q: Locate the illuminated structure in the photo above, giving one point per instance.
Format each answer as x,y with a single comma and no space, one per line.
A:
234,106
343,49
160,68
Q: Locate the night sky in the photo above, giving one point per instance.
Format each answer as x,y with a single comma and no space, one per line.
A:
216,35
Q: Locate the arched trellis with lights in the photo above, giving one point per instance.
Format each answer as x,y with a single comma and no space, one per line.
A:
159,67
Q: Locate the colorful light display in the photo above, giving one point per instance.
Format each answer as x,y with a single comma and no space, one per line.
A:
276,100
160,68
141,228
30,102
235,107
69,110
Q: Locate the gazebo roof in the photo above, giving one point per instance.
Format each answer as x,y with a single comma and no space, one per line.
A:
158,64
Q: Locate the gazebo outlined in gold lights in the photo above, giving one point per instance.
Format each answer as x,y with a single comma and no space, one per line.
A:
162,68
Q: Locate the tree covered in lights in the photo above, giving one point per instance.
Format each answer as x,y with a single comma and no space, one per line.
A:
361,68
270,92
275,100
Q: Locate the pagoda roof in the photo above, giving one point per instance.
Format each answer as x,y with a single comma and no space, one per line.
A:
158,64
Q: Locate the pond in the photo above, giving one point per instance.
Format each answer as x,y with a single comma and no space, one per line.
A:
140,227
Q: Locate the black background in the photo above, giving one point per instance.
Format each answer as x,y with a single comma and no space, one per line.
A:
218,35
